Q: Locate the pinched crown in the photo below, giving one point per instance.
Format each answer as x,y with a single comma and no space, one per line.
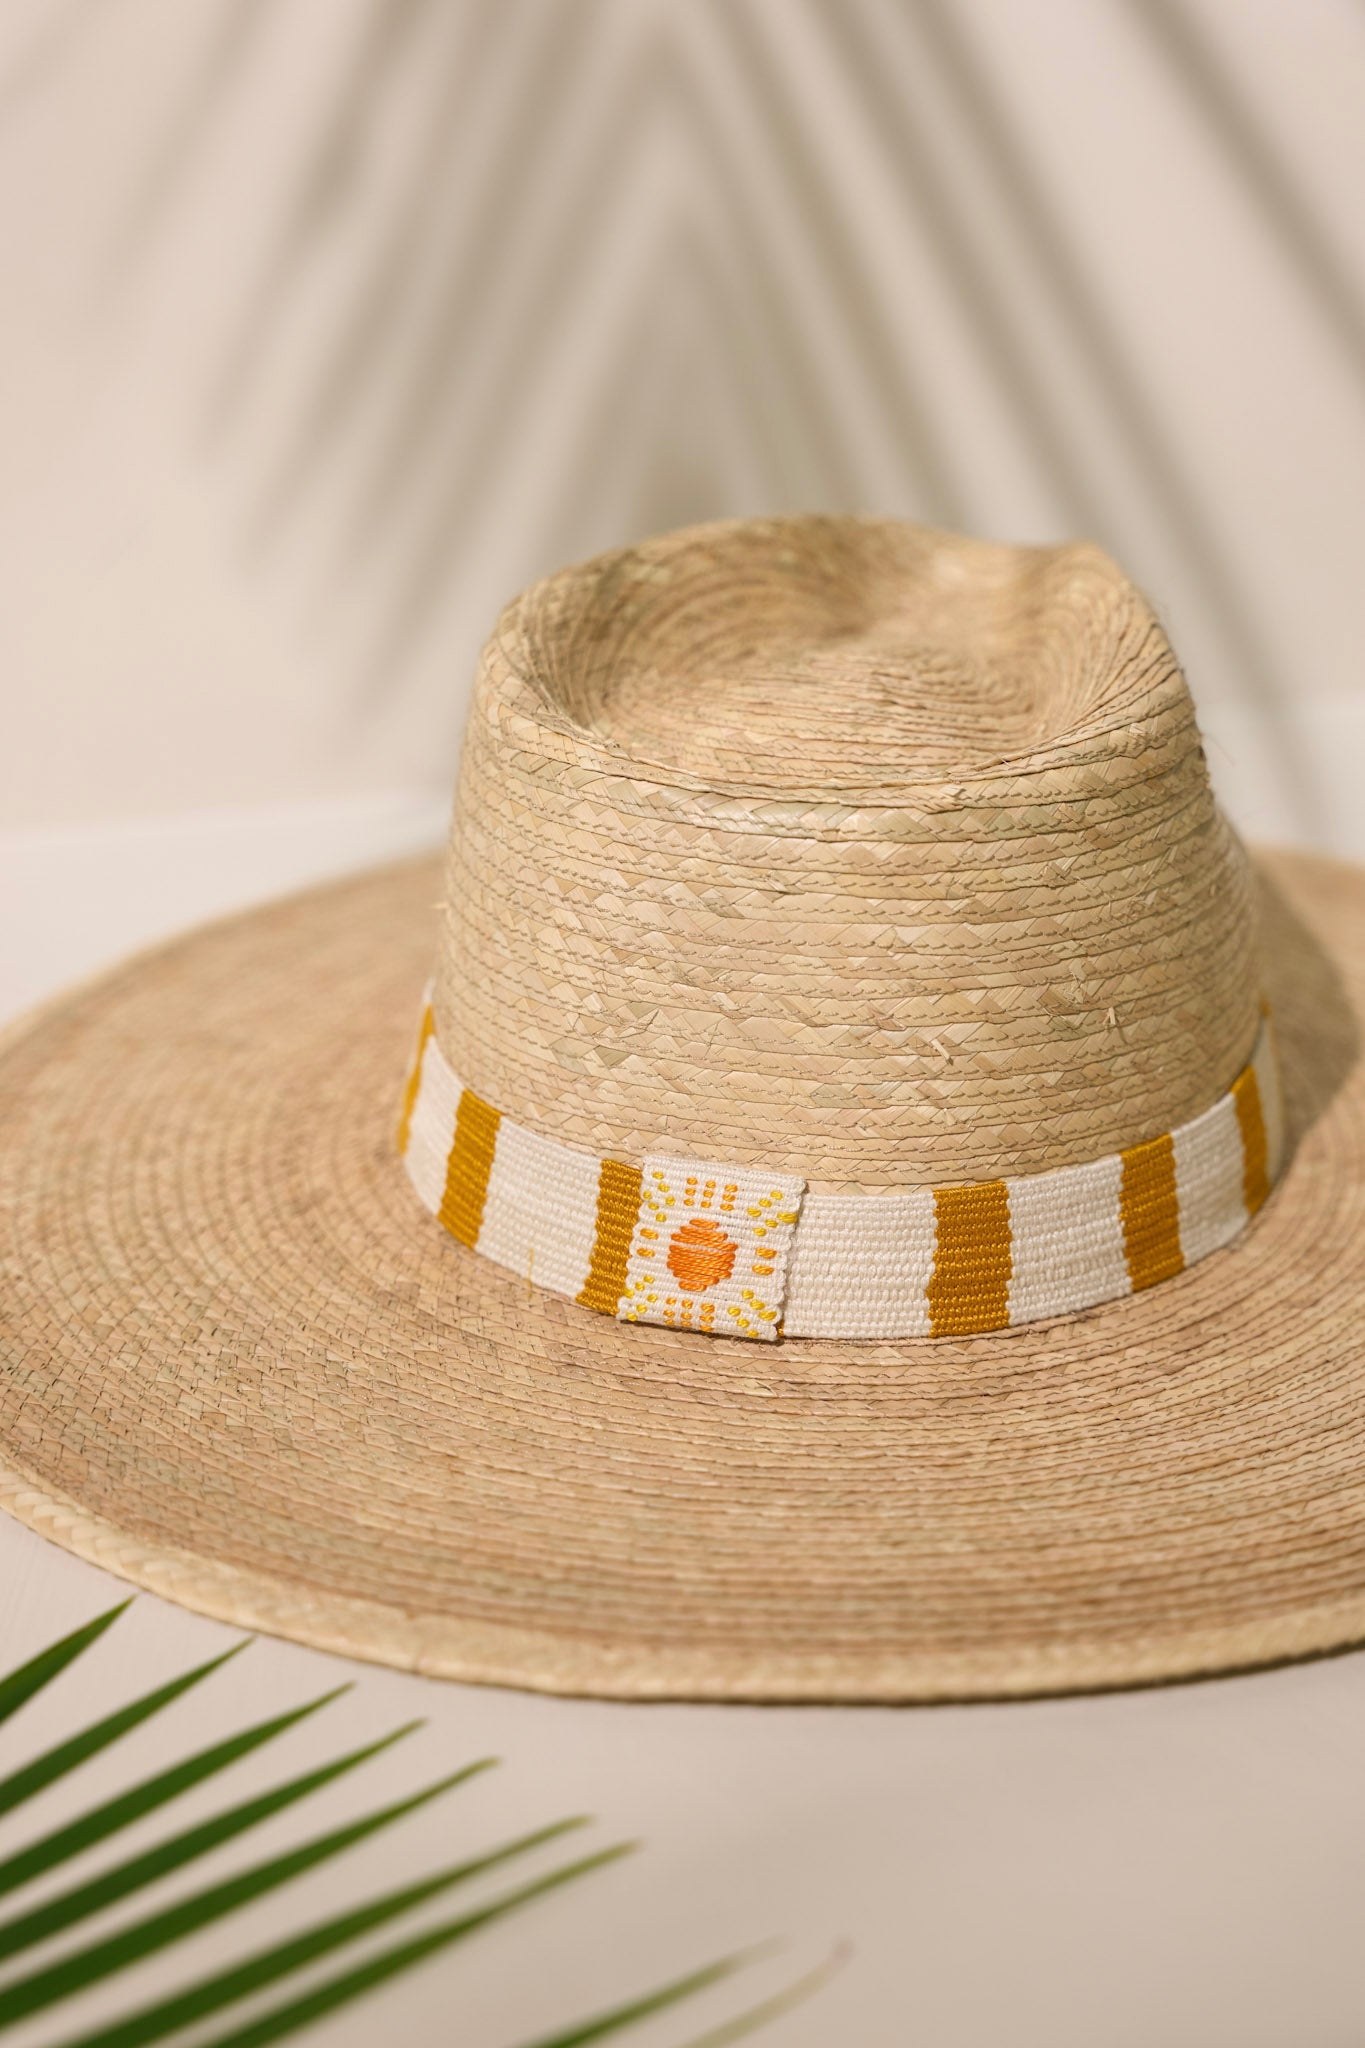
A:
842,847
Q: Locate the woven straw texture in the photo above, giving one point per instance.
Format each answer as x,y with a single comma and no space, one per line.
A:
843,847
835,848
243,1369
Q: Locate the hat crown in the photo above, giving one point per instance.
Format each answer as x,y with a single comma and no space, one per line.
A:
846,848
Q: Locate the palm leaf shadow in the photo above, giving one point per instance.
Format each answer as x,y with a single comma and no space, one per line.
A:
417,348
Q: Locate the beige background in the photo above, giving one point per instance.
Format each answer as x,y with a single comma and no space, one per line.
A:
329,322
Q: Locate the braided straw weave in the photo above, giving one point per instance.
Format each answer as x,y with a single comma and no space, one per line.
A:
837,846
843,846
846,851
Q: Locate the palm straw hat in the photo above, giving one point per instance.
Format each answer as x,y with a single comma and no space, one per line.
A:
879,1203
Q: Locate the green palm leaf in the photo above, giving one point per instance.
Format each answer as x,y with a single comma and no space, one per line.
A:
40,1670
55,1763
105,1820
146,1937
49,1984
603,2023
154,2022
341,1990
92,1897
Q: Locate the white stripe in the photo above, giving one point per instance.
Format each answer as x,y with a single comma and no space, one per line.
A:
1067,1240
1210,1180
860,1265
431,1131
540,1212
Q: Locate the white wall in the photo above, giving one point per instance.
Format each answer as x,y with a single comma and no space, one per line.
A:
328,323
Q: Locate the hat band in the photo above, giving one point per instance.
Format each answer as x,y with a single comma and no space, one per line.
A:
699,1245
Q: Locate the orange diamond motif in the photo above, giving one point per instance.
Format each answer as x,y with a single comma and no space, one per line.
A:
700,1254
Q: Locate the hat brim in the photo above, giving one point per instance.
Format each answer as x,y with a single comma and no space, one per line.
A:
244,1368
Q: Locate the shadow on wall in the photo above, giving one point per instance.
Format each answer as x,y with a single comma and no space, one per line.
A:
611,288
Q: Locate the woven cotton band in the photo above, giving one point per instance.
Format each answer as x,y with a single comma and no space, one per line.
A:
699,1245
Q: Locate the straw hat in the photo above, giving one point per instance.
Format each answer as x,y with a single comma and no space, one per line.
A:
898,1173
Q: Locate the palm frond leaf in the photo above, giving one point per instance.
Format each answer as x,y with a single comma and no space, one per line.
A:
50,1983
155,2022
227,1987
114,1814
55,1763
69,1907
39,1671
604,2023
147,1937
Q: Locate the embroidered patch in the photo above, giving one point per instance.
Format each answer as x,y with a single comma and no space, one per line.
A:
710,1248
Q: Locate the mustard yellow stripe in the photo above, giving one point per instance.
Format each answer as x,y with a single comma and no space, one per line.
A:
969,1288
468,1168
618,1205
415,1079
1149,1209
1246,1093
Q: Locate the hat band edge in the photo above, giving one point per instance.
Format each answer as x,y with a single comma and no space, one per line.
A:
701,1245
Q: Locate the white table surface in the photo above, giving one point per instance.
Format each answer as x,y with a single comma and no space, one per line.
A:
1178,1866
